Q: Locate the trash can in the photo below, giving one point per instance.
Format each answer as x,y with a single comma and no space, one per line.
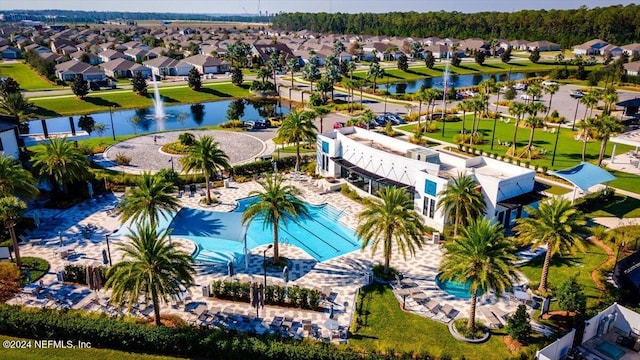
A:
226,183
205,291
60,275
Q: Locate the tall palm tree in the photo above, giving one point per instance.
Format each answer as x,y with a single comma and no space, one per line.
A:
152,267
15,180
477,105
462,199
16,105
419,96
150,198
61,162
321,111
311,73
482,257
590,100
390,220
557,224
607,126
464,106
375,71
206,157
533,122
277,205
516,109
609,96
534,91
550,89
297,127
292,66
588,128
11,210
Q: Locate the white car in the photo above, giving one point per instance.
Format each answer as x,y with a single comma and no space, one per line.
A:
549,83
528,97
520,86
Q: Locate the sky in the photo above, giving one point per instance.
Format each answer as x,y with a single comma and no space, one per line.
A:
274,6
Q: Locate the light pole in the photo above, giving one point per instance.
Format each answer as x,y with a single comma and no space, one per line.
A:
575,115
555,146
264,264
171,161
108,248
113,131
386,96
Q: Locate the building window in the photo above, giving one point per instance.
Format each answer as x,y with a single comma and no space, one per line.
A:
429,207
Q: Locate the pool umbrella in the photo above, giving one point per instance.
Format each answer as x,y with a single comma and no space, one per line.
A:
89,276
230,269
97,279
27,272
261,295
331,312
60,236
285,274
90,189
105,259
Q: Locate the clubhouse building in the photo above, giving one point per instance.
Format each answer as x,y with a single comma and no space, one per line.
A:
369,161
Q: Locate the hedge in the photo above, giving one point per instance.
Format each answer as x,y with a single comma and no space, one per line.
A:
78,274
104,332
273,295
262,166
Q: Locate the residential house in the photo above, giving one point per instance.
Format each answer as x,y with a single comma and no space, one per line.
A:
208,64
108,55
383,51
632,49
123,68
614,50
591,47
438,51
58,44
521,45
632,68
10,52
93,59
165,66
474,44
53,57
543,45
139,54
266,51
68,70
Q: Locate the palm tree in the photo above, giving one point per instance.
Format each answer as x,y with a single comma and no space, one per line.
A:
11,209
607,126
205,156
557,224
477,105
587,127
297,127
15,180
533,122
16,105
590,100
516,109
150,198
609,96
277,205
152,267
419,96
534,91
464,106
550,89
320,111
61,162
293,65
390,220
311,73
376,72
482,257
462,198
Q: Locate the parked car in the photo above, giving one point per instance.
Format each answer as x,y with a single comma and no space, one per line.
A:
549,83
520,86
275,121
372,124
249,125
338,125
576,94
528,97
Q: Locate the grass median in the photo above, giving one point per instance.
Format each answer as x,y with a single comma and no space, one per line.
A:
28,79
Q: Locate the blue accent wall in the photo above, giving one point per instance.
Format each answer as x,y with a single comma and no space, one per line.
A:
430,187
325,147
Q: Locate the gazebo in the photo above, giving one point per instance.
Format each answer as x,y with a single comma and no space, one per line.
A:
631,138
584,176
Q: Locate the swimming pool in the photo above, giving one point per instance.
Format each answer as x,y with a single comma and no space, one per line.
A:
610,350
455,288
219,236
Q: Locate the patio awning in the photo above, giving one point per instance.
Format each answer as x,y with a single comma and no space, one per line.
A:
368,174
585,175
521,200
631,138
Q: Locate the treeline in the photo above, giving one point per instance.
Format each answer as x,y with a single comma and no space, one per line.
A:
77,16
617,24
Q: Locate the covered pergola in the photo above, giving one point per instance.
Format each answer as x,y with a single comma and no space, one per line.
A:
630,107
631,138
584,176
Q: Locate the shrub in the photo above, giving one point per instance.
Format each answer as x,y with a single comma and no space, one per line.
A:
9,281
232,124
122,159
518,326
187,139
78,274
274,294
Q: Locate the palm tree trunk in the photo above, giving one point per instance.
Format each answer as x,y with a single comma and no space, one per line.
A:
533,130
584,143
297,155
419,111
276,250
360,96
156,307
603,148
473,126
16,248
206,179
456,221
387,252
548,108
545,272
464,115
515,137
471,324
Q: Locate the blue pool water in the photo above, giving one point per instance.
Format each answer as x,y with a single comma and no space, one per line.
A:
219,236
610,350
455,288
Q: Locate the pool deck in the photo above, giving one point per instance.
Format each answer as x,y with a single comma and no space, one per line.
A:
340,277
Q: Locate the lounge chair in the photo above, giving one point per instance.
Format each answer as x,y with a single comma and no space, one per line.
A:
449,311
492,320
433,306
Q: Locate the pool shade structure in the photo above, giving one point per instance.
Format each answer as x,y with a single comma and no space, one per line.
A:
584,176
631,138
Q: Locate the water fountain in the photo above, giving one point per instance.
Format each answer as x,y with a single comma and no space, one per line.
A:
159,113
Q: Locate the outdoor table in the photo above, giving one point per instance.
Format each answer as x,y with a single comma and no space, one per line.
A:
521,295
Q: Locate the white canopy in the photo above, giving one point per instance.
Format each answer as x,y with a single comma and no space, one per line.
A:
631,138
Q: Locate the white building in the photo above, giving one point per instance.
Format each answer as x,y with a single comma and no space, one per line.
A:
370,161
9,140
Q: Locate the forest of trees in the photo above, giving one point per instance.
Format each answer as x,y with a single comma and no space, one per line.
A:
617,24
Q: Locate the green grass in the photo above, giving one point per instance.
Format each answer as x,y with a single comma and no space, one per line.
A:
54,354
27,78
39,267
568,153
126,99
624,181
564,267
621,206
387,327
558,190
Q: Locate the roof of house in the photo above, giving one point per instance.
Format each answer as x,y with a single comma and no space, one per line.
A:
161,62
632,66
265,50
204,60
590,44
633,47
118,65
77,67
111,54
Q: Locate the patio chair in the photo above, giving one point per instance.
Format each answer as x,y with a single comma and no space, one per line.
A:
449,311
492,320
433,306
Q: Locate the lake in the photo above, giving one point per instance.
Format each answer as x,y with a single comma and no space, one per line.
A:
457,81
178,117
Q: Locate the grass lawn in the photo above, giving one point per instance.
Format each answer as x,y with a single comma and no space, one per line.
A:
39,267
54,354
621,206
27,78
387,327
568,154
625,181
126,99
564,267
